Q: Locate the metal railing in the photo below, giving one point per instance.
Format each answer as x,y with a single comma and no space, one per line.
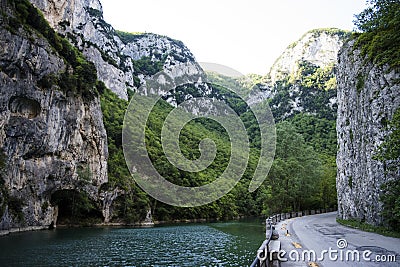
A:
270,226
264,247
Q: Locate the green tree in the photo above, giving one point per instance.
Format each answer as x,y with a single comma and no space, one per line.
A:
380,38
391,204
380,14
295,173
389,153
133,205
390,148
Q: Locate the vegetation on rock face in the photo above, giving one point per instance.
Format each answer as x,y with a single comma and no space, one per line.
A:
147,66
390,148
308,44
330,31
154,61
308,91
389,153
242,85
129,37
391,204
133,205
80,75
380,37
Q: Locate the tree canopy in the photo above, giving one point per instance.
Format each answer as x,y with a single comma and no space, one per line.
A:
380,37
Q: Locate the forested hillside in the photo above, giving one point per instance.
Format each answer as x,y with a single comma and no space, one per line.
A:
302,175
303,103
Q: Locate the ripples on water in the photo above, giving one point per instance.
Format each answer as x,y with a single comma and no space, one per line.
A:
219,244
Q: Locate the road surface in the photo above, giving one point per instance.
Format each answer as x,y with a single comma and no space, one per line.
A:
318,240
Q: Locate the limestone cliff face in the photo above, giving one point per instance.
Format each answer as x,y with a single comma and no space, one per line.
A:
48,137
319,47
302,79
367,98
114,55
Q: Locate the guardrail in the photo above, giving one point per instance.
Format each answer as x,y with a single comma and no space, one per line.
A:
264,247
270,227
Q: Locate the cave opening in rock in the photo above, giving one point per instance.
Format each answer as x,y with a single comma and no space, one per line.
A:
24,107
75,208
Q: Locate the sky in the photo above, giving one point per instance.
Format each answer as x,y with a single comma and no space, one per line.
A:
247,36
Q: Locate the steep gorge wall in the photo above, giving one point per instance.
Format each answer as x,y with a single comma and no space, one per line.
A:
368,96
48,136
51,137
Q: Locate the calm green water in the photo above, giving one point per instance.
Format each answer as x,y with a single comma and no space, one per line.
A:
213,244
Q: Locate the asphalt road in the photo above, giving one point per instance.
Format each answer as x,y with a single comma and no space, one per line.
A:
334,244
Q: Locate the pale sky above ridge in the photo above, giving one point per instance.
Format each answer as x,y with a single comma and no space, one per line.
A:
247,36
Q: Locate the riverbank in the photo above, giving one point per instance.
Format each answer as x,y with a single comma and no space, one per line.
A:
115,225
22,229
71,226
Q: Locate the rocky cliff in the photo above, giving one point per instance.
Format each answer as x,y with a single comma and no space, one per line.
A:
118,56
368,96
318,47
52,137
302,79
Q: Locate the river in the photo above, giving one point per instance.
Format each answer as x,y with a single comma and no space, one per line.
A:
209,244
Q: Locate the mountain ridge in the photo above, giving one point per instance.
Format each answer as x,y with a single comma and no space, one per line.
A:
83,24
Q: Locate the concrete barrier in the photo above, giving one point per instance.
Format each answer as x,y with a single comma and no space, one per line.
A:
299,214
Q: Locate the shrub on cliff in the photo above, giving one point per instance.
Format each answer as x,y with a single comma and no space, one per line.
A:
84,75
380,38
391,204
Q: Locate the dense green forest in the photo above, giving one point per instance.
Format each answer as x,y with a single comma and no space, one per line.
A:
301,177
